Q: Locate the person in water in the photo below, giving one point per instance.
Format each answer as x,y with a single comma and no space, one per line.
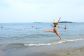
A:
55,28
65,28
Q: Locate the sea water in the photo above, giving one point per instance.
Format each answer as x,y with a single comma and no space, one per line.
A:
35,32
31,39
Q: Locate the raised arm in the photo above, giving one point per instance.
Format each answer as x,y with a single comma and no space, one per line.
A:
59,19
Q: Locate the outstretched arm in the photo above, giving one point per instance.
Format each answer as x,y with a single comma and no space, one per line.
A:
59,19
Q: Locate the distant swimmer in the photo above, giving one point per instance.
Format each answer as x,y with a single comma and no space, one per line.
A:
55,28
65,28
1,27
35,27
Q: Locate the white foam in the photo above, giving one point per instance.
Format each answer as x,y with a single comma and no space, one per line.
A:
74,39
61,41
54,43
39,44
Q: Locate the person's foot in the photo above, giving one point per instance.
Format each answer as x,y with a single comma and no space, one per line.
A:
59,38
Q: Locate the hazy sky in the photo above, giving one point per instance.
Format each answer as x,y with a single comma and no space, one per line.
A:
41,10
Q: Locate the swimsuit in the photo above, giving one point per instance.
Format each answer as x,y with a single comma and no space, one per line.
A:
55,24
55,27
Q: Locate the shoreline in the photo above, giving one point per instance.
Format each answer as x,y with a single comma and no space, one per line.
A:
68,52
41,51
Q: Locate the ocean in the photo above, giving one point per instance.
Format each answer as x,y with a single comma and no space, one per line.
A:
31,39
35,32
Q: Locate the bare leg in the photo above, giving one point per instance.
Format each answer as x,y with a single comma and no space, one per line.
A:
54,31
49,30
57,33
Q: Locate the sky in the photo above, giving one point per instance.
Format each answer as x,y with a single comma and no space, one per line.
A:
41,10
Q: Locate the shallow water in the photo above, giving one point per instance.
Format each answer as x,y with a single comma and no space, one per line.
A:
34,32
30,39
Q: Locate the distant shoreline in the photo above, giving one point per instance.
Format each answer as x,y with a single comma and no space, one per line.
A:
59,22
66,22
38,22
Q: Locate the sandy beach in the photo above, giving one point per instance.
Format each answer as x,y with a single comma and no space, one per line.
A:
20,50
67,48
67,52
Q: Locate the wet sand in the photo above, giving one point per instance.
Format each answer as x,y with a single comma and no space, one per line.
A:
64,49
41,51
67,52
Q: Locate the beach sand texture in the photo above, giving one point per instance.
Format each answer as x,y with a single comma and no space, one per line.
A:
40,51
